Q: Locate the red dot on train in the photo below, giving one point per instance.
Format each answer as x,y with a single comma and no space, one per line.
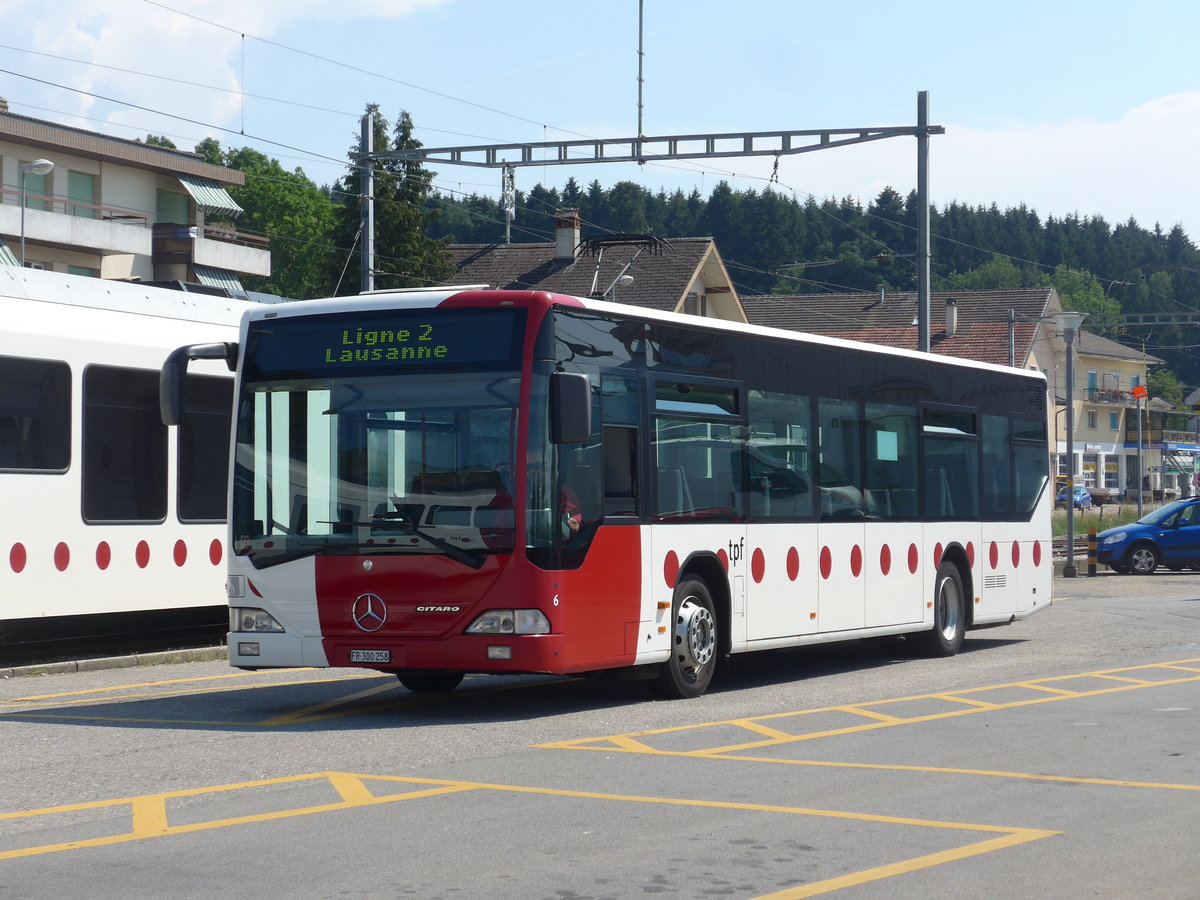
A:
1037,553
1016,554
215,552
62,556
826,562
724,558
937,554
142,554
103,555
856,561
793,563
993,555
913,557
885,559
17,557
971,554
180,553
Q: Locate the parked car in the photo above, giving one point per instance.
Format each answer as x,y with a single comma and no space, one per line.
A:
1169,535
1081,498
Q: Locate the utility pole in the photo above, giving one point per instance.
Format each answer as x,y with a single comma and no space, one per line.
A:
923,133
366,201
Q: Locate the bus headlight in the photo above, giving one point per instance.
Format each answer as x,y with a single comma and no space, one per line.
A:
251,619
510,621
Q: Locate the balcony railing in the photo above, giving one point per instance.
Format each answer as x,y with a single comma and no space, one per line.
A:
77,208
164,232
1161,436
1108,397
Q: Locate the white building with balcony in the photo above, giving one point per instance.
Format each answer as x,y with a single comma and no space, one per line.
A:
114,208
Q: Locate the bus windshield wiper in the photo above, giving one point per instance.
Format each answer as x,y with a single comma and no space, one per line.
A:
398,521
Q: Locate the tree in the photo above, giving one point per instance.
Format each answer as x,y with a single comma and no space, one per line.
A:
997,274
297,217
160,140
1082,292
405,256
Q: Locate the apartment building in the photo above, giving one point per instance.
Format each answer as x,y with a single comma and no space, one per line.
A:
83,203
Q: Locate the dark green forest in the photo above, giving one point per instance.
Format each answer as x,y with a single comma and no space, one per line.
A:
771,241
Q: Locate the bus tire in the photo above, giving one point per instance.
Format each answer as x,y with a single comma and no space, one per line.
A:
693,643
430,681
949,614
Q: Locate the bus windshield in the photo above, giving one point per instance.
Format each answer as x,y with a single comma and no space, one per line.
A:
370,464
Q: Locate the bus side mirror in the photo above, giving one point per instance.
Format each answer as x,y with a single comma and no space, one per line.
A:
570,408
174,374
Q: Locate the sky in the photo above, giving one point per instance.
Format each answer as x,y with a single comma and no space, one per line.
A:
1088,108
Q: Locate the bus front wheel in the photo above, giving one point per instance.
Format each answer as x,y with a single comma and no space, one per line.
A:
430,681
949,614
693,643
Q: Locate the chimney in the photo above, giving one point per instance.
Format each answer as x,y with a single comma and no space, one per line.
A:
3,104
882,293
566,234
951,316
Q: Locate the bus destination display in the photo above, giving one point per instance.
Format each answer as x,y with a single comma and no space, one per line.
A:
364,342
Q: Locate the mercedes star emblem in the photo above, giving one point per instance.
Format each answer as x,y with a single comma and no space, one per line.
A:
369,611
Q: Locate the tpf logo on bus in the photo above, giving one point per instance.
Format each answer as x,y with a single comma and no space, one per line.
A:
736,552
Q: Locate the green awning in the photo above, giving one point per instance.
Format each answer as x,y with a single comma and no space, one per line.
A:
210,196
219,278
7,257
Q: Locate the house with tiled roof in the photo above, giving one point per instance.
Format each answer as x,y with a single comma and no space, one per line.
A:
683,275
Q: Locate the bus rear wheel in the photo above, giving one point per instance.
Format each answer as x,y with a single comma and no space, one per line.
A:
949,614
693,643
430,681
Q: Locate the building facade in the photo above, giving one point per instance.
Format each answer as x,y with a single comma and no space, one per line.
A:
112,208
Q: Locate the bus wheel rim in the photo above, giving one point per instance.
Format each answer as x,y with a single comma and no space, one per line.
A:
695,631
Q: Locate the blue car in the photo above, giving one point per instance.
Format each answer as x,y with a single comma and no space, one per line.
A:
1082,498
1170,536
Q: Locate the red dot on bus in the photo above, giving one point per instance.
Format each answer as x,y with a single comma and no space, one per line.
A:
1016,554
971,554
1037,553
885,559
142,554
937,554
912,559
856,561
671,568
758,565
103,555
826,562
994,555
724,558
17,557
793,563
62,557
180,553
215,552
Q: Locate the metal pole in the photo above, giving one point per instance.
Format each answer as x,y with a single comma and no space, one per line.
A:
1069,570
1012,340
1139,456
923,227
22,219
366,205
641,55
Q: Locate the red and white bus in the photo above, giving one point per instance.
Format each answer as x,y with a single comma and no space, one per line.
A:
111,523
441,482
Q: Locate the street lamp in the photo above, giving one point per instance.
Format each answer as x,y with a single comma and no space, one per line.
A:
37,167
1069,322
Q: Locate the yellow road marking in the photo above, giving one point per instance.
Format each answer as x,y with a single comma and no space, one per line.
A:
636,742
149,819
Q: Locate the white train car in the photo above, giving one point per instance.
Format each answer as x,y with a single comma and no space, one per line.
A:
107,517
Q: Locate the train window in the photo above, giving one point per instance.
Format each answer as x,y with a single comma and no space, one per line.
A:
204,449
124,446
35,415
